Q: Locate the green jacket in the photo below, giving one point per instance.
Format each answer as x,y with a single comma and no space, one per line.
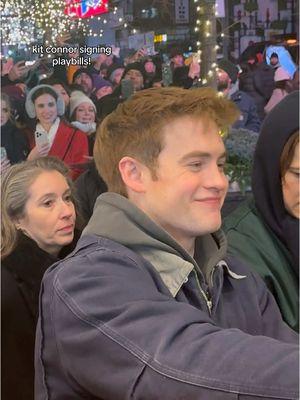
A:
250,239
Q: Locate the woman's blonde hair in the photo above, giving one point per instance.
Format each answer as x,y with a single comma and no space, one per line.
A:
15,193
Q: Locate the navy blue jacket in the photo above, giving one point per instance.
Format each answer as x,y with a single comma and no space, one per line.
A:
109,328
249,118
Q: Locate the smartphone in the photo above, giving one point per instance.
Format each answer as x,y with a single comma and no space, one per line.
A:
167,76
19,56
41,138
3,153
126,88
29,63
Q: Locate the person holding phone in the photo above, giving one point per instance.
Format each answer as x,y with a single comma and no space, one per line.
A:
53,136
37,229
16,73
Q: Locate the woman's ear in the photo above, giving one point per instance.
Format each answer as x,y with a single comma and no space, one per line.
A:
18,223
132,173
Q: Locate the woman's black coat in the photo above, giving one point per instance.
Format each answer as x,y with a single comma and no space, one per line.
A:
21,275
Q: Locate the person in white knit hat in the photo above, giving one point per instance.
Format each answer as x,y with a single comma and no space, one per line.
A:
283,86
83,115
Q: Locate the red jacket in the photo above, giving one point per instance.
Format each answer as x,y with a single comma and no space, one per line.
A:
71,146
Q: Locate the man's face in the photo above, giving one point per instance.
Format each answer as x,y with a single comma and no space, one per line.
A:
85,81
136,77
274,61
150,67
178,60
187,196
223,80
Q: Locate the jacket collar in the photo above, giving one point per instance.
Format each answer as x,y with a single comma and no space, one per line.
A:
118,219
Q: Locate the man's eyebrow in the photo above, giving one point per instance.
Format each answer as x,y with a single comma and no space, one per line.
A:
200,154
296,168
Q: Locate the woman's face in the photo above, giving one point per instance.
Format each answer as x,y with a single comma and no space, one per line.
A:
85,113
46,109
4,112
49,217
290,186
60,89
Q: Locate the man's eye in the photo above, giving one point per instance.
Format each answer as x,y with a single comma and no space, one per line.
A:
221,166
196,165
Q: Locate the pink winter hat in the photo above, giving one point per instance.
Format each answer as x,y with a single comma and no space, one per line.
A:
281,75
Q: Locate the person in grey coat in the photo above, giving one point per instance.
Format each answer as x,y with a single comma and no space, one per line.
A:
149,306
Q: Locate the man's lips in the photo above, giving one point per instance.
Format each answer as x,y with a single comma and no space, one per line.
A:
214,201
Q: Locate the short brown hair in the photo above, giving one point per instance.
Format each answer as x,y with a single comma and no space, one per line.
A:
288,153
135,128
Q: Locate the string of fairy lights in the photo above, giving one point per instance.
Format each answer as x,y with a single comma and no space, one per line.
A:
23,22
205,25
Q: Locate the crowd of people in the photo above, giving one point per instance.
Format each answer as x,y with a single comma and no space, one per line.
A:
117,180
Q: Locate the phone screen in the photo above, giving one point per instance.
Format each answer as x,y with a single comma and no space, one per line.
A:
167,75
126,88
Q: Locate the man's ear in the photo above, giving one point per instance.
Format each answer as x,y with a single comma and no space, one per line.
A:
133,174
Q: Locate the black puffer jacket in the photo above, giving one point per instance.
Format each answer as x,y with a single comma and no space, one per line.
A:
89,186
258,82
14,142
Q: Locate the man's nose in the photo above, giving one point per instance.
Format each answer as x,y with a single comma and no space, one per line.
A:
216,179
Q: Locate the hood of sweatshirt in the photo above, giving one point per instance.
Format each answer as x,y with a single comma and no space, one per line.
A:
118,219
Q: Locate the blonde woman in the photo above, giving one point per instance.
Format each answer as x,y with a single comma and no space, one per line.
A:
37,227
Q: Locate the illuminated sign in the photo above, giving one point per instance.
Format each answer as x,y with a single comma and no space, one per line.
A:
85,8
160,38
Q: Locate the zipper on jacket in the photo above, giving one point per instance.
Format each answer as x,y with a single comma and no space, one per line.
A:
208,300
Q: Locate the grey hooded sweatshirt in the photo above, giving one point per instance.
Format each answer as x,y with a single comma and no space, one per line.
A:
131,315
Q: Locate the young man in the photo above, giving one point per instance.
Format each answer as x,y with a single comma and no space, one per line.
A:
148,306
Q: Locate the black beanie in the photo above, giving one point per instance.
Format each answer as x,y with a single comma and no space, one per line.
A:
135,65
81,71
229,68
112,68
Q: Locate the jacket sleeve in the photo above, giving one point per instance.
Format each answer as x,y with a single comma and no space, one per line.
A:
118,337
253,122
79,154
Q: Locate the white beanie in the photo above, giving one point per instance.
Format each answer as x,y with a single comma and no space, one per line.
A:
77,98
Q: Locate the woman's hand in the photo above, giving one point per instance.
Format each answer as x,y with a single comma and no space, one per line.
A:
37,152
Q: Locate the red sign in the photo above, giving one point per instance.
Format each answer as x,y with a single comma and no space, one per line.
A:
85,8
